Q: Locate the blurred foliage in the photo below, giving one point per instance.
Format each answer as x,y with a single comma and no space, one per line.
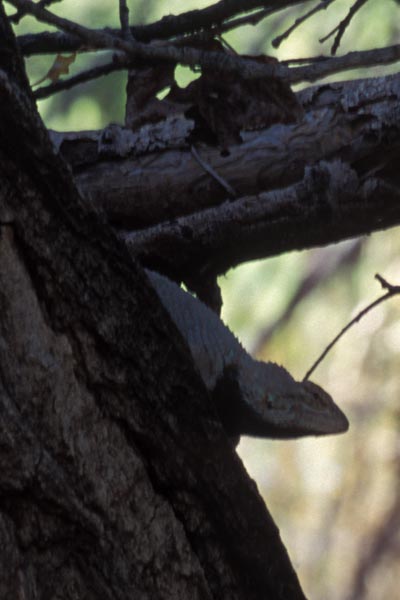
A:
336,499
331,497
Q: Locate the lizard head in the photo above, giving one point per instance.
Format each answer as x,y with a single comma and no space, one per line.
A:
290,408
263,400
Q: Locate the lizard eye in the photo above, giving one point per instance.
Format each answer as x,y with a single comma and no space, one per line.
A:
269,401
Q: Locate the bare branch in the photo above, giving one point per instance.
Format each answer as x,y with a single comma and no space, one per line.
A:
187,56
305,214
21,13
252,19
269,224
341,28
323,5
118,63
393,290
230,63
124,19
90,37
112,171
317,68
324,66
167,27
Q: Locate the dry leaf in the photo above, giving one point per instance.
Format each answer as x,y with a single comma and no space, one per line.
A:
59,67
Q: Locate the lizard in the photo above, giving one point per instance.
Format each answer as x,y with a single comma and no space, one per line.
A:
251,397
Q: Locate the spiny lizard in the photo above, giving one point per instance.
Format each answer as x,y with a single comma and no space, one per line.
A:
251,397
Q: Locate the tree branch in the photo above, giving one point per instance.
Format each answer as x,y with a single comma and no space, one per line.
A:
330,204
118,63
392,290
192,57
324,66
317,68
124,19
167,27
323,5
354,121
341,28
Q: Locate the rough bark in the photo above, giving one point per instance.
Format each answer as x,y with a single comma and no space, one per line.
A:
116,480
327,178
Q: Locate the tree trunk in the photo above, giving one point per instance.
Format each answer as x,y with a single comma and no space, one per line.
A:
116,478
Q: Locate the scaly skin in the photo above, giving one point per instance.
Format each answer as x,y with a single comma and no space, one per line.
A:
251,397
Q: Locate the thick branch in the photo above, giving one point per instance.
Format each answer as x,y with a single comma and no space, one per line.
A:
354,122
330,204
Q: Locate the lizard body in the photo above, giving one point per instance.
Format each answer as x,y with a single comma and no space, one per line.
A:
251,397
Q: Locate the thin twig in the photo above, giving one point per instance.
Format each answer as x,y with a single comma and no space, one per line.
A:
208,168
249,69
167,27
193,57
124,19
276,42
316,68
337,64
21,13
252,19
341,28
392,290
94,73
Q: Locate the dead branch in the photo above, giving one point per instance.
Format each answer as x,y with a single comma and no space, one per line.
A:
167,27
320,67
191,57
323,5
310,213
392,290
113,166
118,63
341,28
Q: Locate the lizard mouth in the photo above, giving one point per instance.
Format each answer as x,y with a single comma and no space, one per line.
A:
325,416
324,424
304,411
300,421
